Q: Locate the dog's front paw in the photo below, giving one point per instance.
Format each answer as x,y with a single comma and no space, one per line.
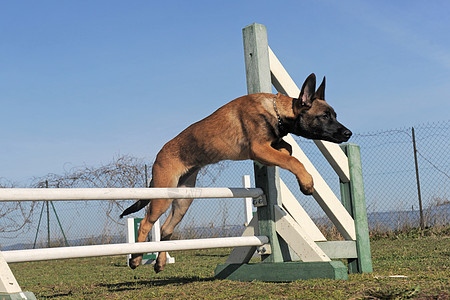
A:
306,184
307,191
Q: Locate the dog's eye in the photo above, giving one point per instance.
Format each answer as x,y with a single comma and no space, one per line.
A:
325,116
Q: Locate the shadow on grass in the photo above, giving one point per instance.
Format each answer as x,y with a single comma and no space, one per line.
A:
211,255
133,285
56,295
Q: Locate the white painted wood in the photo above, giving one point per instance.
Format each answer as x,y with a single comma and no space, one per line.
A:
248,201
131,238
297,238
156,231
83,194
293,207
126,248
336,157
325,196
8,283
284,84
242,255
281,80
131,233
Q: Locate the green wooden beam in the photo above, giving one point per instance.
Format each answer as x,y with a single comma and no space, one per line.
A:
282,272
257,69
256,53
18,296
352,263
268,179
352,195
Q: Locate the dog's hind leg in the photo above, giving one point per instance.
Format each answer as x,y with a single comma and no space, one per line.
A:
156,208
162,177
179,209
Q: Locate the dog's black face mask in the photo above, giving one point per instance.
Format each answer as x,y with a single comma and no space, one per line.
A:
319,123
316,119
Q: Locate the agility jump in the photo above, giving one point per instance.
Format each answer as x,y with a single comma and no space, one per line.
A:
280,231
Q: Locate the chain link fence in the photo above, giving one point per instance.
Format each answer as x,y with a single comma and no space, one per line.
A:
391,180
389,172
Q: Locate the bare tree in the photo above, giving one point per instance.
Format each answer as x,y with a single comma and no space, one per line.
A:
15,216
122,172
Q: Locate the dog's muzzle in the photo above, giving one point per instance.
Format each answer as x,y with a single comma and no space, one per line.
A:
347,134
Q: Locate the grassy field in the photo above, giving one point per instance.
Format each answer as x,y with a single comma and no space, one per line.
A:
422,257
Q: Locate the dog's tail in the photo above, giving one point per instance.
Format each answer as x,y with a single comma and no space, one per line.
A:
138,205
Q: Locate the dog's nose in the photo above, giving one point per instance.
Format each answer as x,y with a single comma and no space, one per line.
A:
347,133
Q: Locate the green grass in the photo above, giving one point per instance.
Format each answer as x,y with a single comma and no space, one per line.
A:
423,257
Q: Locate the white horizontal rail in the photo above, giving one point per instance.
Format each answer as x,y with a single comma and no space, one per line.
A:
126,248
82,194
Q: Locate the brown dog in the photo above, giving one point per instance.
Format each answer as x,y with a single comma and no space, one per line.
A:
249,127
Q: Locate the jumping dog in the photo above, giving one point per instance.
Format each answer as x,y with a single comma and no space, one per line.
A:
249,127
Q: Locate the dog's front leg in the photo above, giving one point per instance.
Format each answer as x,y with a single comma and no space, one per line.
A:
283,146
266,154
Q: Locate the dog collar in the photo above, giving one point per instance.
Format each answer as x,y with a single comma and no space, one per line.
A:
280,123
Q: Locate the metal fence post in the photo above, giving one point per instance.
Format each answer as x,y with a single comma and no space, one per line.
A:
419,195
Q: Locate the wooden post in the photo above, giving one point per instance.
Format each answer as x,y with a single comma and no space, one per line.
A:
352,195
257,68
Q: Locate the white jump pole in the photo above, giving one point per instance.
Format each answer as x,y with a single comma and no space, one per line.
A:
82,194
125,248
248,201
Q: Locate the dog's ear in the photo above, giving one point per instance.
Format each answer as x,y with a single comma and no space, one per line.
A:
320,93
307,92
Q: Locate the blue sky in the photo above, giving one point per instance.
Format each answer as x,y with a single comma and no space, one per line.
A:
84,81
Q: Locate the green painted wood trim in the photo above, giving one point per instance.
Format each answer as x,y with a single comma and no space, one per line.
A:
353,193
339,249
257,69
18,296
136,227
282,272
352,263
256,53
267,178
150,256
